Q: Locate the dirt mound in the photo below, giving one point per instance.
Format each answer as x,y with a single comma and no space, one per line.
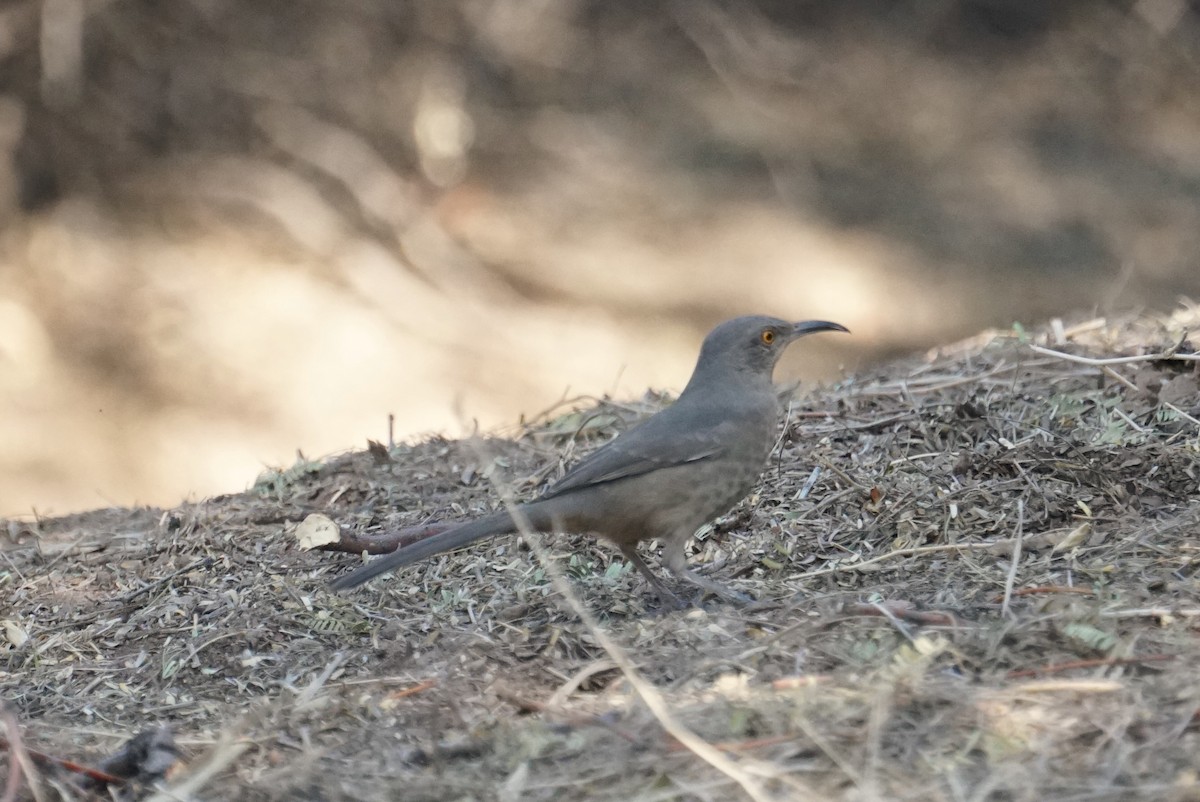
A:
975,574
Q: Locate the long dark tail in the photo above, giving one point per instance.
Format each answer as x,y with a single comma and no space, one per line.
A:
500,523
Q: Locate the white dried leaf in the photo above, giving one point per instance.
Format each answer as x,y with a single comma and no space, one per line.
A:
1074,538
14,634
317,530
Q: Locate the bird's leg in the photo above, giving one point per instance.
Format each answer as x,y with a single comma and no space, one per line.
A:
665,595
676,561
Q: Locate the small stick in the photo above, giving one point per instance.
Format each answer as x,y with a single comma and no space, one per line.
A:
904,613
411,690
891,616
1037,589
1152,612
1054,668
571,717
314,687
1018,541
810,483
61,762
386,543
909,552
1070,686
1112,360
1103,364
800,681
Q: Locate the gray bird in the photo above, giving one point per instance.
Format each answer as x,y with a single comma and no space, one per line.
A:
669,475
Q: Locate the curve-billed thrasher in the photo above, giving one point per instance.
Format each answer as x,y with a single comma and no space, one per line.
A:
666,477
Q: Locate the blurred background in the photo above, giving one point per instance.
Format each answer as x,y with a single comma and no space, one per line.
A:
233,229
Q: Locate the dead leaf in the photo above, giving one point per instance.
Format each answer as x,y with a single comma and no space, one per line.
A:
14,634
317,530
1073,539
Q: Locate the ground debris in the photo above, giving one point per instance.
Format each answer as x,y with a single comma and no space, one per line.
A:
975,576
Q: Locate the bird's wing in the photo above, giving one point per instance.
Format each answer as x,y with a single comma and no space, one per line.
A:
656,444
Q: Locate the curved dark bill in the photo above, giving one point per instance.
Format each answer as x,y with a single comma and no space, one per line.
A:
809,326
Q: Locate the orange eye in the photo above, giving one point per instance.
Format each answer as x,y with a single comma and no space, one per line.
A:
767,336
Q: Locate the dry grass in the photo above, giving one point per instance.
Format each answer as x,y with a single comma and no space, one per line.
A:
975,573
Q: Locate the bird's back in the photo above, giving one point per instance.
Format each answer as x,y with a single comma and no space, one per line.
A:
677,470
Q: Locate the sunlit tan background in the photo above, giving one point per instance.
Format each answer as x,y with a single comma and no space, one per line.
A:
233,229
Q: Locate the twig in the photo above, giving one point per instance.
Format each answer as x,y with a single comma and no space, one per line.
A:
1071,665
783,431
545,414
45,758
1180,412
564,691
1117,377
1104,364
21,578
1072,685
319,681
928,385
890,615
903,611
1039,589
809,483
411,690
909,552
1153,612
1123,415
569,716
800,681
1018,542
413,687
1112,360
385,543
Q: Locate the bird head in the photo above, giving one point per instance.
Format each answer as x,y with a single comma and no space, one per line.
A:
750,347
